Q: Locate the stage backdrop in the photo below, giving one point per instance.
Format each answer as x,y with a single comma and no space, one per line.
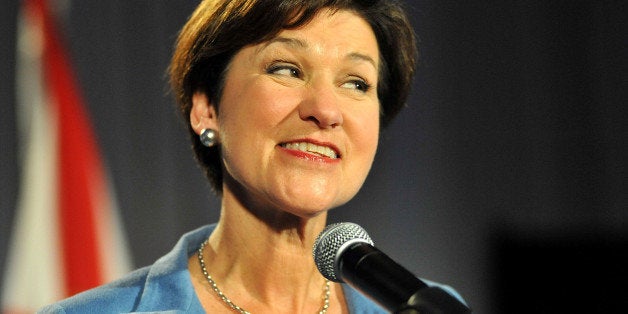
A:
515,132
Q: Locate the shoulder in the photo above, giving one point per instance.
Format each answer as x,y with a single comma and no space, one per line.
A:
447,289
359,303
163,286
118,296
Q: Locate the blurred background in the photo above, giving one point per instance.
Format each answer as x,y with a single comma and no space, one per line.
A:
505,177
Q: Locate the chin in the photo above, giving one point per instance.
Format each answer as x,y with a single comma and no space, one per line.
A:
305,210
308,211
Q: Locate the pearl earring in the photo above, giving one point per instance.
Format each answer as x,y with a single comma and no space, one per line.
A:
208,137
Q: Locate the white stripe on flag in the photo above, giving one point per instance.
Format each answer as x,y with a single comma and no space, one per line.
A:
33,274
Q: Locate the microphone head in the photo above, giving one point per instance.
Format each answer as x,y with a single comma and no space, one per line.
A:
331,243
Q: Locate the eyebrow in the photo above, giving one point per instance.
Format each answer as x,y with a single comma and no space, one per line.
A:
362,57
290,41
301,44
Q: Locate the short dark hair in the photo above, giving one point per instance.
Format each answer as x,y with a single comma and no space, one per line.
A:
218,29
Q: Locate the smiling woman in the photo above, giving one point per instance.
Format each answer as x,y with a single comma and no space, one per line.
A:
300,90
284,112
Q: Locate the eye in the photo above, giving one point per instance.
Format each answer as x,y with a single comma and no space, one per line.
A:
283,68
357,84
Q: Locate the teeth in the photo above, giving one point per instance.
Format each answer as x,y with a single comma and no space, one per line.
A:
312,148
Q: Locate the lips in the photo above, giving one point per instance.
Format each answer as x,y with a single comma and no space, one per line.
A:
308,147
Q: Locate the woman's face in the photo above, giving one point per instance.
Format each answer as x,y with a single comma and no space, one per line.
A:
299,115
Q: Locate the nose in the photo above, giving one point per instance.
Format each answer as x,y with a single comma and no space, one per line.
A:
322,106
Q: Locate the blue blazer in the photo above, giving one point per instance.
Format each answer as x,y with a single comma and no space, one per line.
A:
165,287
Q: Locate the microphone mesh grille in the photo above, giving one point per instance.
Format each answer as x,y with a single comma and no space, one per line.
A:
329,246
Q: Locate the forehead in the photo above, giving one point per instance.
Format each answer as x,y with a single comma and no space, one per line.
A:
330,30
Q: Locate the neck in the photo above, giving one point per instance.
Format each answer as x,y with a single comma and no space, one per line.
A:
265,257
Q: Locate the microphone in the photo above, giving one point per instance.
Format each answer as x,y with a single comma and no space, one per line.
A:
344,252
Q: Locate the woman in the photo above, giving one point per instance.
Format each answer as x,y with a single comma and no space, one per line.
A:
284,101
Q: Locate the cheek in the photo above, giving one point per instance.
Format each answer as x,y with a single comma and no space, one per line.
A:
369,148
364,137
249,115
260,106
366,133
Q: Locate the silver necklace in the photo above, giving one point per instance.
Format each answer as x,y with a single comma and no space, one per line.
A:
223,297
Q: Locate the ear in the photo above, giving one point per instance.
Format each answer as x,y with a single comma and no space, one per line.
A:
203,113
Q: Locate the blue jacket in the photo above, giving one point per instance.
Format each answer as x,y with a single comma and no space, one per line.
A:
165,287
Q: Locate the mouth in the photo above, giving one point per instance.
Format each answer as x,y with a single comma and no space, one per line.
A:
308,147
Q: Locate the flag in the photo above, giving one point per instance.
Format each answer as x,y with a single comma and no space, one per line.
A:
67,235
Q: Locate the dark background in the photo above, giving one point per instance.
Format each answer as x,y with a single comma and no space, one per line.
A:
506,176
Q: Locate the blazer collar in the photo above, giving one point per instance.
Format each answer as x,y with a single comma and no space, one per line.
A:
169,283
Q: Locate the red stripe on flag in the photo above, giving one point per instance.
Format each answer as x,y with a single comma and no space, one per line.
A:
79,164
